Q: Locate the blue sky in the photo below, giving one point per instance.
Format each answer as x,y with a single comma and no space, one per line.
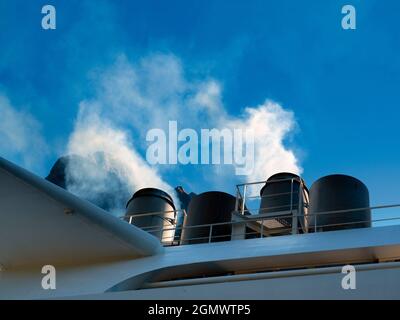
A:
342,86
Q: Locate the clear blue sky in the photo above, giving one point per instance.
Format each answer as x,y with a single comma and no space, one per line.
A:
343,86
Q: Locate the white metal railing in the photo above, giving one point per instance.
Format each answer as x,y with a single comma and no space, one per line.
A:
245,202
251,220
129,217
242,196
176,224
263,231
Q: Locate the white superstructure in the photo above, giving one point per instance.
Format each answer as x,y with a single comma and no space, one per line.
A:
98,256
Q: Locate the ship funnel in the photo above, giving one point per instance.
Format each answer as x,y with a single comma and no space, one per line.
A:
209,208
153,210
285,194
339,193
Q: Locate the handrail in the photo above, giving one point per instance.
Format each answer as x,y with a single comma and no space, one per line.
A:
261,220
153,213
245,220
283,230
265,181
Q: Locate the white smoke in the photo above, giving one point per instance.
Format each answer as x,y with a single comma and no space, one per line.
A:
270,125
20,136
111,165
134,98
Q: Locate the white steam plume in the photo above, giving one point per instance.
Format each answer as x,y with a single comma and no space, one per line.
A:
106,151
134,98
270,124
20,136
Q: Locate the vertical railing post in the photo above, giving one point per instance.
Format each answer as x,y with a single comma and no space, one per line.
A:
262,228
210,235
244,198
294,217
243,206
301,211
291,196
237,199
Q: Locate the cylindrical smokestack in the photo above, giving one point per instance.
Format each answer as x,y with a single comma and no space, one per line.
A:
339,192
209,208
281,194
153,210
